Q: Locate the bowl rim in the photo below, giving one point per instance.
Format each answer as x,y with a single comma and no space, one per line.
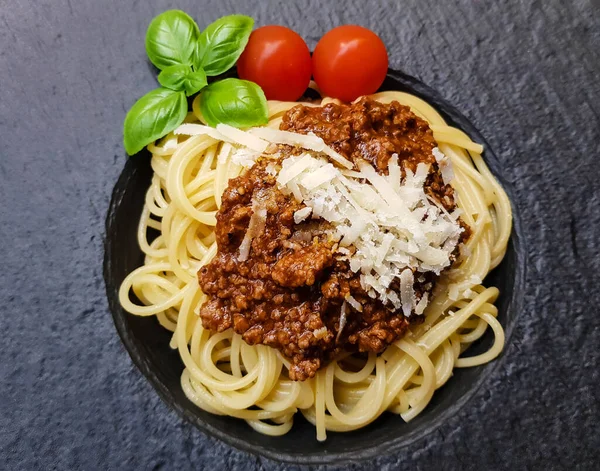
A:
396,443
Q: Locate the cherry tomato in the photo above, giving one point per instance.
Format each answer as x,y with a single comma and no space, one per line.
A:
348,62
277,59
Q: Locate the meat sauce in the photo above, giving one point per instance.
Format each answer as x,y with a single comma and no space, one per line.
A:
288,294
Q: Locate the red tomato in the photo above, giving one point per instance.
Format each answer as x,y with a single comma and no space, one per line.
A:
348,62
277,59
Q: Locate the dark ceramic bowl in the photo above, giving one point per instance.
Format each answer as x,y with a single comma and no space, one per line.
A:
148,343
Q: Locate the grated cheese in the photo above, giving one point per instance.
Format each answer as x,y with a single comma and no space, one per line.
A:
407,291
394,172
422,304
320,333
305,141
354,303
296,192
271,168
394,227
255,227
226,133
242,137
189,129
245,157
343,320
278,136
312,180
294,166
302,214
444,164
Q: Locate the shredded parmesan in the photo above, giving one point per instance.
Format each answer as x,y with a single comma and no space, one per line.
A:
302,214
444,165
226,133
394,227
309,142
342,320
189,129
245,157
320,333
422,304
271,168
354,303
242,137
394,172
407,291
255,227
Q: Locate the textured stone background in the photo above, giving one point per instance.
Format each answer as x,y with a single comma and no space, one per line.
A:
527,74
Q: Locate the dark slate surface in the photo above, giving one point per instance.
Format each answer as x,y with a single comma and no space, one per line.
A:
527,74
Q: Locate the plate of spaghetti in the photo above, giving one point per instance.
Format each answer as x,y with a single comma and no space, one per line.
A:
314,272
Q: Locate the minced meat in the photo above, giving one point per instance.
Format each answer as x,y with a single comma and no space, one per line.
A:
292,285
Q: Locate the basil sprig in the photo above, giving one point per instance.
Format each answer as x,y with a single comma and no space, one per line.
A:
185,57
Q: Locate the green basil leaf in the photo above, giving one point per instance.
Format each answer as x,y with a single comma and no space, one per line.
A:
173,76
235,102
222,42
182,77
194,82
153,116
171,39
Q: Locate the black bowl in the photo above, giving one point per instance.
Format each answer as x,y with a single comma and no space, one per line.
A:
148,343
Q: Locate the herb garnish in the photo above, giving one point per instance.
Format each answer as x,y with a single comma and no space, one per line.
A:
185,56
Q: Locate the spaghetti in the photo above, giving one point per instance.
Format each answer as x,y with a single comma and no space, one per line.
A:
224,375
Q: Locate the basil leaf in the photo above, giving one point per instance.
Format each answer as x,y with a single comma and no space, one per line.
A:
172,77
153,116
171,39
222,42
182,77
235,102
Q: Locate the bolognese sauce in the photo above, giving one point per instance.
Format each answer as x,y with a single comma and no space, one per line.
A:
289,292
